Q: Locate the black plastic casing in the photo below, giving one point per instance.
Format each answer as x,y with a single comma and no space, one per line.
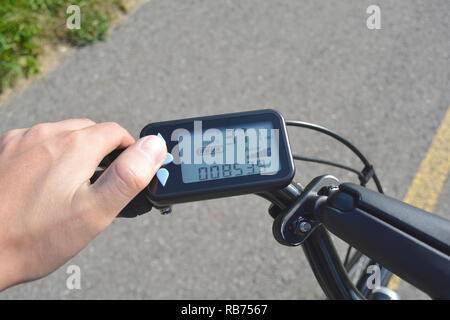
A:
175,191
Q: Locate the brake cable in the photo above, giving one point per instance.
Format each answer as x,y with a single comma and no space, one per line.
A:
364,175
330,163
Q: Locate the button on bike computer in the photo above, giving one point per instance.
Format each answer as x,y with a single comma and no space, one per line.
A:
221,156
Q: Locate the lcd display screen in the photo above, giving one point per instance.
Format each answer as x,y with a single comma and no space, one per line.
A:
229,152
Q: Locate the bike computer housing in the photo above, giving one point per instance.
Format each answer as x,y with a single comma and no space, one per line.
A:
221,156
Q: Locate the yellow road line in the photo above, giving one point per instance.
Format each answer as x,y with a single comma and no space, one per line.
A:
430,178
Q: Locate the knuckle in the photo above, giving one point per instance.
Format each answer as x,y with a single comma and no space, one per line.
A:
38,131
88,121
73,139
114,126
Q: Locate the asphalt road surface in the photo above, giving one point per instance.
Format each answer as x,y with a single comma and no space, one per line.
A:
386,90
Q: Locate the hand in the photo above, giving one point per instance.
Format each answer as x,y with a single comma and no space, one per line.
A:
49,211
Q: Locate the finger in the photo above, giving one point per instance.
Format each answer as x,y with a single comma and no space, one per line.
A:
96,142
127,176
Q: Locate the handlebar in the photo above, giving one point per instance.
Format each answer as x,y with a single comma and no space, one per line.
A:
406,240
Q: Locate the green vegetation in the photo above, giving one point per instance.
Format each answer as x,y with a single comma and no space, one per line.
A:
26,26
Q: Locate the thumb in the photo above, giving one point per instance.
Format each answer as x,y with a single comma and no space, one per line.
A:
131,172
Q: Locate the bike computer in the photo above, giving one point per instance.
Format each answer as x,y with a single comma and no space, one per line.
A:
221,156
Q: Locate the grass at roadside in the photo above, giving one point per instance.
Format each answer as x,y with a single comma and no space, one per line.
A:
26,26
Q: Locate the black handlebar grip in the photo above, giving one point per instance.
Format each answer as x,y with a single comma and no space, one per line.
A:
387,230
136,207
106,162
